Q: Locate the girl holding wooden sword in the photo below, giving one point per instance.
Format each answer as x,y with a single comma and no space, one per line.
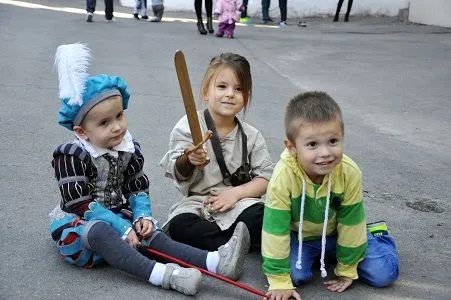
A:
221,194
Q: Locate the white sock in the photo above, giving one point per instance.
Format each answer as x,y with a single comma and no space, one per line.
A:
212,261
157,275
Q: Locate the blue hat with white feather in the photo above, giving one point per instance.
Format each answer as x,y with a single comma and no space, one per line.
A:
78,91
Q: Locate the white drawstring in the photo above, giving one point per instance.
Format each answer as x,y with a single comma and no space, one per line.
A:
326,220
301,221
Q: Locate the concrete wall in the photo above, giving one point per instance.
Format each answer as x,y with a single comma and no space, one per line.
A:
305,7
431,12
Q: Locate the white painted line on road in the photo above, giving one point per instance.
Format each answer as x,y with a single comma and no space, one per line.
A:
116,14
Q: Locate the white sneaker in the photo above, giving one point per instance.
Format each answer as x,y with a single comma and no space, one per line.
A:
89,17
183,280
153,19
232,254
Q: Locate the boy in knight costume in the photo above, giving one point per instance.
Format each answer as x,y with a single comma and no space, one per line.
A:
100,173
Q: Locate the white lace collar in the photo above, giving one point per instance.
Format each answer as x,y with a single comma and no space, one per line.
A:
126,145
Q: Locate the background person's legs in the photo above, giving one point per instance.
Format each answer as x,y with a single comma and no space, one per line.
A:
158,11
348,11
198,8
265,11
109,8
244,12
283,10
209,8
337,13
90,6
221,29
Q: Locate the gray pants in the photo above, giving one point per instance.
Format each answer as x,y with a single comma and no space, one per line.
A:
119,254
158,10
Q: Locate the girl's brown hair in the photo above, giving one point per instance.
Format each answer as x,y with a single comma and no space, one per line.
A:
239,65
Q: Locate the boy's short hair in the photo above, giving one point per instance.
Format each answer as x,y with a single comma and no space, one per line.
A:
310,107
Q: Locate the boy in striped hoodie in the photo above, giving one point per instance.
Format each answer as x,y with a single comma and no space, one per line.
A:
314,207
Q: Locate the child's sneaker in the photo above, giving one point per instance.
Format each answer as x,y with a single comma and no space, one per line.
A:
89,17
232,254
245,20
283,23
145,17
154,19
183,280
378,228
136,16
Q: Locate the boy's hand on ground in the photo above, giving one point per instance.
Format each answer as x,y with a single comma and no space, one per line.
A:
222,201
283,295
338,285
132,239
144,228
198,157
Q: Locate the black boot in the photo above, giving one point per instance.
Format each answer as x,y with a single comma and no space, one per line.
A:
200,27
210,25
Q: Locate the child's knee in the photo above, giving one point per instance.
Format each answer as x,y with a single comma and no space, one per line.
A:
95,231
383,280
383,273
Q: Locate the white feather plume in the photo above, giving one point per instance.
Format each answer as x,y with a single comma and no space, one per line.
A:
72,63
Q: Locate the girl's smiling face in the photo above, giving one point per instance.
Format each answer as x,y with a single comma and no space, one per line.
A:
224,96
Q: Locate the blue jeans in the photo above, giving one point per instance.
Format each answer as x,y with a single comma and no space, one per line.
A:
91,7
379,268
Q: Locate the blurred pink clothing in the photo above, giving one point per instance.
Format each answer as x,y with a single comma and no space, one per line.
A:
227,10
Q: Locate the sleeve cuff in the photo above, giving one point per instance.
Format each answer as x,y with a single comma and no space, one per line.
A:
124,236
178,175
280,282
155,223
348,271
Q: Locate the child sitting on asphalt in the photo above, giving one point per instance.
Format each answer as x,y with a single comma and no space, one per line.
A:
100,173
314,207
219,195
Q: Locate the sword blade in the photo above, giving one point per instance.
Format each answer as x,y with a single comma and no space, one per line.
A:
187,94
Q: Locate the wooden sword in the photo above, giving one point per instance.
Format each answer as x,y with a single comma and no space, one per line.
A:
190,105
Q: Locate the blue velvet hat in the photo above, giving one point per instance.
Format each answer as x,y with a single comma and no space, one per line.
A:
79,92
